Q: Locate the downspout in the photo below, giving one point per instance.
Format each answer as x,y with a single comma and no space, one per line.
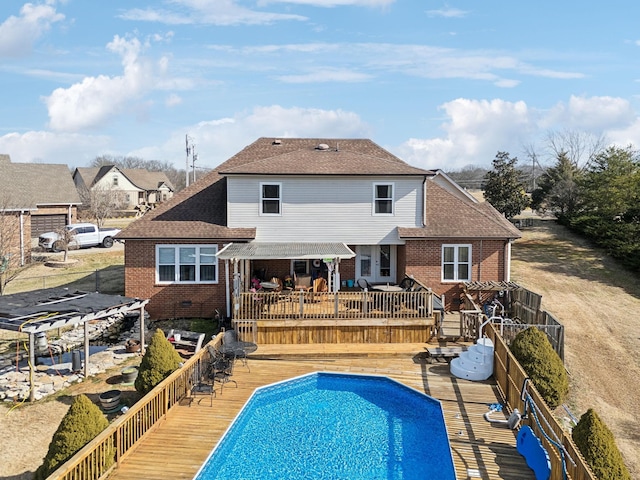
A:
69,218
424,202
480,263
507,261
22,238
227,287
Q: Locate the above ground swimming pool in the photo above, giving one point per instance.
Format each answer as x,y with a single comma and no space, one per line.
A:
334,426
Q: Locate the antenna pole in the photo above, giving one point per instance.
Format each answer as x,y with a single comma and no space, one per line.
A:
188,148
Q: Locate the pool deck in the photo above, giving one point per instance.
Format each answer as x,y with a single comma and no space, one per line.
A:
178,446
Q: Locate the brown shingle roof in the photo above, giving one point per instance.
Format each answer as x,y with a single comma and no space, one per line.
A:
146,180
199,211
27,185
449,216
301,156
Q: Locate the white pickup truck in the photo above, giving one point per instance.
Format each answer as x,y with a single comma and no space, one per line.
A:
84,235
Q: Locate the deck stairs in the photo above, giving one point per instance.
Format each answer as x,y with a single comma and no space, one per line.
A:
476,363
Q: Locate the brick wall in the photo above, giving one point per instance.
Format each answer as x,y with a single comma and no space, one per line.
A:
169,301
423,260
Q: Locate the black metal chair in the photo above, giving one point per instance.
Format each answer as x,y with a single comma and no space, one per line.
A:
364,284
220,368
235,349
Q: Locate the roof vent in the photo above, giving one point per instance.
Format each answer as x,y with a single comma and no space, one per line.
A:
322,146
276,141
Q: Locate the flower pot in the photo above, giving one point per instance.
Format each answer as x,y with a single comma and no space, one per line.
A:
129,374
110,400
132,346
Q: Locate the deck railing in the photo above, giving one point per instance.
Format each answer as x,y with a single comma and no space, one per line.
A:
339,305
113,444
510,378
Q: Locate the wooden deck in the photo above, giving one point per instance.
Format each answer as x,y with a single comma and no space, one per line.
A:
178,446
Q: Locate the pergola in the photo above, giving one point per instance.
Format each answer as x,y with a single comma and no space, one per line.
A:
43,310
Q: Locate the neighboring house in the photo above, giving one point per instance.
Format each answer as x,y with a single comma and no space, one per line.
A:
34,198
137,186
286,205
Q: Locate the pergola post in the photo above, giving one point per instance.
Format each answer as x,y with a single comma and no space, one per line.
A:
32,365
86,350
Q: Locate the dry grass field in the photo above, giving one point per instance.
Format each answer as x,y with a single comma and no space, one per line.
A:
594,297
598,302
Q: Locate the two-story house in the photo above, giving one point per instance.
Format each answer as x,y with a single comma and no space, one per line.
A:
345,209
133,186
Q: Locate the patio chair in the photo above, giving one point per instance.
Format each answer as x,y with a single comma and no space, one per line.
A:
235,349
303,283
204,386
220,368
407,284
364,284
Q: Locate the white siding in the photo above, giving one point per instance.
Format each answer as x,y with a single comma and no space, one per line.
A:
124,185
325,209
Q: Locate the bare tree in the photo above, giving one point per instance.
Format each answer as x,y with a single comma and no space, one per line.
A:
102,201
10,262
65,241
579,147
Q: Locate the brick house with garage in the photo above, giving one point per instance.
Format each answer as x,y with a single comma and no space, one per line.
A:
340,208
34,198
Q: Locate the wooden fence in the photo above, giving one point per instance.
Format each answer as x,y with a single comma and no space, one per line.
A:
510,378
112,445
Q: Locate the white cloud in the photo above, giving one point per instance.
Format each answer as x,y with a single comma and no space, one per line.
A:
333,3
475,131
219,12
217,140
327,74
593,114
96,100
173,100
48,147
448,12
18,34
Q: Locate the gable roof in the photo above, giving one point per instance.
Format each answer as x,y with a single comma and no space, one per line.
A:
29,185
316,156
451,216
140,177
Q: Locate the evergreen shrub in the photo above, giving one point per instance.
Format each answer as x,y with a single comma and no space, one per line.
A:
597,445
542,364
158,362
81,424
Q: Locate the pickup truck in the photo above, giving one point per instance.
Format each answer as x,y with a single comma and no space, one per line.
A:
84,235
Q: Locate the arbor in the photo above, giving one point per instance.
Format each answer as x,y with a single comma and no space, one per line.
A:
557,190
503,187
82,423
159,361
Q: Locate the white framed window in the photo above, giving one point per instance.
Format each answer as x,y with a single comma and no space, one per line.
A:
383,198
300,267
270,198
456,263
115,180
186,264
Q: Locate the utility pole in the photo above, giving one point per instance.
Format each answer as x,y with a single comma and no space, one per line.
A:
194,158
189,149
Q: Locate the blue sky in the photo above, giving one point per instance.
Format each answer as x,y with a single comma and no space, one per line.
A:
442,85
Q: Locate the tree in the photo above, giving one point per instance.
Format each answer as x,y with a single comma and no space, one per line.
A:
159,361
581,148
503,187
81,424
65,241
558,189
598,447
540,361
102,202
9,243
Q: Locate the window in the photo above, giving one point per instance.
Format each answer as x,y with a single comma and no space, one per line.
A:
270,199
383,199
186,263
456,263
300,267
115,180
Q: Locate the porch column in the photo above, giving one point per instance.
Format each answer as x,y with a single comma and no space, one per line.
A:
86,350
142,330
32,363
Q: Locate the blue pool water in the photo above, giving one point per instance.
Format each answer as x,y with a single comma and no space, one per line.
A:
334,426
